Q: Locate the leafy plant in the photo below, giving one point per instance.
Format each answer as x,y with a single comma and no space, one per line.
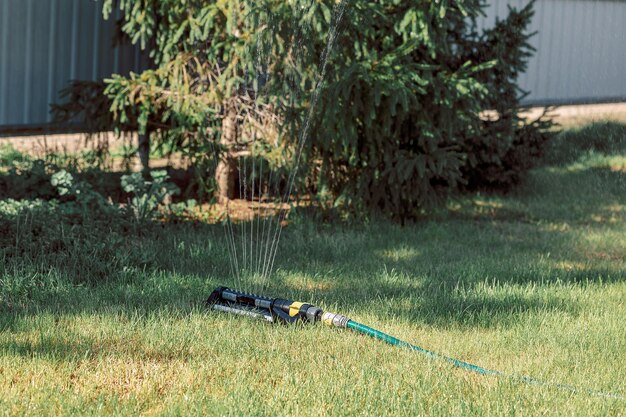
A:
147,196
27,179
80,191
181,210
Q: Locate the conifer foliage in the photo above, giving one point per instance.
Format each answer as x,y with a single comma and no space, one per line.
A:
398,123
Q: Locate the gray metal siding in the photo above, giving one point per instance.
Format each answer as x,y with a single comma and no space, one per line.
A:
581,52
580,49
46,43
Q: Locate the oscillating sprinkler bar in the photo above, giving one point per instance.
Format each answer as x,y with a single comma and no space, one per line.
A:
271,309
280,310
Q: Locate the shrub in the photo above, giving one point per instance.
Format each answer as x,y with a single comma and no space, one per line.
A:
84,104
400,124
397,125
147,196
506,145
28,179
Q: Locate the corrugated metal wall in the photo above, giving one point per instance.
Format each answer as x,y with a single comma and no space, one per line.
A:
46,43
581,50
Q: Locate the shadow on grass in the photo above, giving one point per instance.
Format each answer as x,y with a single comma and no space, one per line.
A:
484,287
607,138
468,271
50,347
483,264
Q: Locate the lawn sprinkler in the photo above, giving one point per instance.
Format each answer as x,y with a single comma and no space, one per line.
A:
271,309
280,310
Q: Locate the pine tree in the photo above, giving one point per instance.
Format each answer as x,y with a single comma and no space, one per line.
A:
398,119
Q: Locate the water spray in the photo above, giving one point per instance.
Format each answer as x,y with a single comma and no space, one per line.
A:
281,310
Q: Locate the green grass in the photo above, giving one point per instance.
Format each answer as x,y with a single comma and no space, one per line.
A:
531,283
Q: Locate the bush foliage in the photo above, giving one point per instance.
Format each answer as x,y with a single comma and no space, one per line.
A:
400,120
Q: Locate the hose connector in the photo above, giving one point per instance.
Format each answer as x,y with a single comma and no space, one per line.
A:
335,320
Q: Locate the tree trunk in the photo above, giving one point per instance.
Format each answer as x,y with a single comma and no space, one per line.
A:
143,150
227,165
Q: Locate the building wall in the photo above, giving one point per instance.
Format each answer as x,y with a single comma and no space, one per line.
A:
581,52
46,43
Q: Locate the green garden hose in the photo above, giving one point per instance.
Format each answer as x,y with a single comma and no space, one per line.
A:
377,334
288,311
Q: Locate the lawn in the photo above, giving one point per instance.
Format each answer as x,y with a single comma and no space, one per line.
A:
529,283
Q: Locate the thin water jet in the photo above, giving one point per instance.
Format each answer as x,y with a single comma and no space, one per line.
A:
259,246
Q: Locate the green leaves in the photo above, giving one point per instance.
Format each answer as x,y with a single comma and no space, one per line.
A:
397,124
63,181
147,196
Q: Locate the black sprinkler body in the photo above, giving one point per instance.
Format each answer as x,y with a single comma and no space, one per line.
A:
271,309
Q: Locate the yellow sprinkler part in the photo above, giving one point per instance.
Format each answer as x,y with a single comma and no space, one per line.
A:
294,308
